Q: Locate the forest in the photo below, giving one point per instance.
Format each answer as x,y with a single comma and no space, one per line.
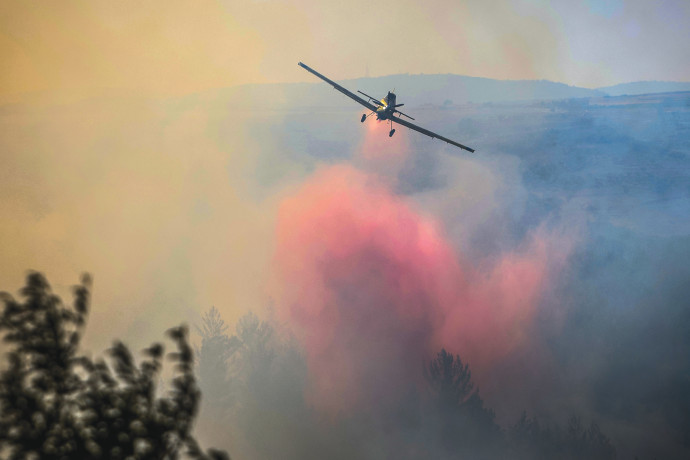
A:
244,391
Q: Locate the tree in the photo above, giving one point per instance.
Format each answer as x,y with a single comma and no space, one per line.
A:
449,379
531,440
466,426
55,404
230,364
214,355
256,347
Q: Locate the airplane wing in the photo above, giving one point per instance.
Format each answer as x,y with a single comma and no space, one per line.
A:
371,99
428,133
347,93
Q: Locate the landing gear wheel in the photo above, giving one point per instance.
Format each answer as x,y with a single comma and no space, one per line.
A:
364,117
391,133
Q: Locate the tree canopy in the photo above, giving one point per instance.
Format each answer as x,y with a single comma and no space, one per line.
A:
56,404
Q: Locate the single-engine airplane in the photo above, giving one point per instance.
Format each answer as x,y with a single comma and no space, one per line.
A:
385,109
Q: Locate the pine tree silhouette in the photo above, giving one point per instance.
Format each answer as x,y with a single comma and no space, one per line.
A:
55,404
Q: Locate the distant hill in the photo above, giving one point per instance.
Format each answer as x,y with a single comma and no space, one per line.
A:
645,87
412,90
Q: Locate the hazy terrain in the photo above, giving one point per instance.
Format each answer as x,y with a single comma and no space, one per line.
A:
616,172
433,89
645,87
179,204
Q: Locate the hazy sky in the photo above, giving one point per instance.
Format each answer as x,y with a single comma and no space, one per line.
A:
173,47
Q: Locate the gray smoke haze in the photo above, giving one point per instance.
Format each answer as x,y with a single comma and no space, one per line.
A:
610,342
172,206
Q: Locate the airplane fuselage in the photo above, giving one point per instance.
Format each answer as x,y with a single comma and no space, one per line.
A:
386,111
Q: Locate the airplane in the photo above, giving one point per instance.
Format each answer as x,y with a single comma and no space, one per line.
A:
385,109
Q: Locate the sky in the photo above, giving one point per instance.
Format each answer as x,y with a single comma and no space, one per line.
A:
76,48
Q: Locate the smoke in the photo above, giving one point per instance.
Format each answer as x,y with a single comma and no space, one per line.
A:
374,287
407,248
378,147
148,196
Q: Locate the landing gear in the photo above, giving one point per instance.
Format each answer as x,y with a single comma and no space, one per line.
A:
391,133
364,116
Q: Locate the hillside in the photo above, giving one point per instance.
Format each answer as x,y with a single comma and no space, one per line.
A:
645,87
412,90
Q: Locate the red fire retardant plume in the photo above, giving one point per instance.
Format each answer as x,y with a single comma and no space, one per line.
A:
373,289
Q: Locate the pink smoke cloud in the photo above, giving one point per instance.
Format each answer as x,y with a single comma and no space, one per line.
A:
374,288
378,146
